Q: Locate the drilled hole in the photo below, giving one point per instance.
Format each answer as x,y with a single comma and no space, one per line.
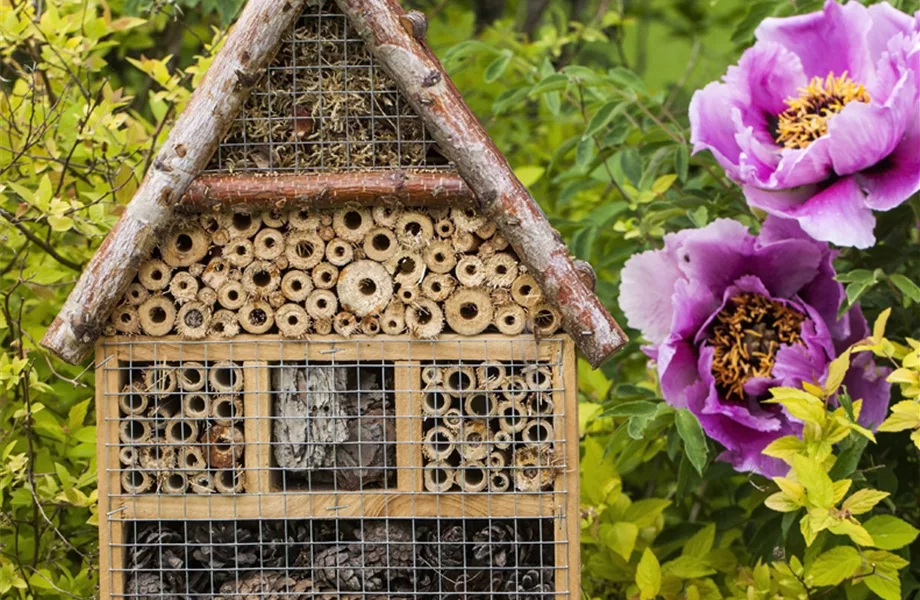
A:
157,315
242,221
261,278
353,219
381,242
367,287
184,242
469,311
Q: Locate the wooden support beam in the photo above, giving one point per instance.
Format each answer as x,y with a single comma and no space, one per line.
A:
248,50
325,190
396,40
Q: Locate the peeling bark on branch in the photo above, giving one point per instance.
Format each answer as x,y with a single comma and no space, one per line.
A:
193,139
501,195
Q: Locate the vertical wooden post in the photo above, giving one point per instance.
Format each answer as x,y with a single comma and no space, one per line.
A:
257,431
108,385
407,379
568,502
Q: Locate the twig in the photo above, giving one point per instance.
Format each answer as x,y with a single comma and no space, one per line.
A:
39,242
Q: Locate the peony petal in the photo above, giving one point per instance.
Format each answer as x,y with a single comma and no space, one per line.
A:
787,266
867,382
711,130
695,305
769,74
646,286
715,255
831,41
895,179
802,166
887,22
677,371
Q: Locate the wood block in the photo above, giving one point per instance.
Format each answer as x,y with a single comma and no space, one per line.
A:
408,381
257,433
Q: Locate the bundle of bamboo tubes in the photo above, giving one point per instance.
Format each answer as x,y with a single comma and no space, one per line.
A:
488,426
180,429
349,271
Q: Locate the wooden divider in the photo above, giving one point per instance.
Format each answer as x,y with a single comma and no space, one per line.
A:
407,381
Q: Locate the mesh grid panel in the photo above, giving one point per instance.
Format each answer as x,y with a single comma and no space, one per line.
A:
331,468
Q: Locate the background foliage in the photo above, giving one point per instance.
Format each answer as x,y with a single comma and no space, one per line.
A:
588,100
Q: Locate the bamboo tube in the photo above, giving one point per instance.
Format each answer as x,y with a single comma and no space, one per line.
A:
370,325
274,218
387,215
501,296
439,257
215,274
268,244
414,229
181,431
512,416
326,233
238,252
407,267
432,375
224,324
136,294
200,483
352,224
501,270
480,404
424,319
393,320
193,321
322,305
538,377
534,468
538,431
192,458
154,275
158,456
339,252
525,291
296,285
128,456
281,263
132,400
345,323
256,316
499,242
470,271
232,296
467,219
502,440
304,249
499,482
210,222
468,311
133,431
438,286
241,223
325,276
220,238
196,406
162,410
464,242
438,444
126,320
322,326
408,294
458,380
364,288
490,375
225,410
228,481
207,296
540,404
473,440
486,250
510,319
544,319
135,481
174,483
487,230
160,380
184,246
261,278
225,377
223,446
438,477
472,477
435,402
444,228
380,244
453,419
497,459
276,300
157,316
292,320
304,219
192,377
183,287
196,269
514,388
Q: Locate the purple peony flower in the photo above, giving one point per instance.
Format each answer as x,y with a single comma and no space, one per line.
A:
730,315
820,120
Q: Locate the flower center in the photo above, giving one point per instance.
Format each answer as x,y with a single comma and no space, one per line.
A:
806,118
746,335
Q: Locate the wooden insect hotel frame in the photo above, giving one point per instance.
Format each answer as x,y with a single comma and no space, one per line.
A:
335,337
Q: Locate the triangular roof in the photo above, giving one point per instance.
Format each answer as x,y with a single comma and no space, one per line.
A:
203,139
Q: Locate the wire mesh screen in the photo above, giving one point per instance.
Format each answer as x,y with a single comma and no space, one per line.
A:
333,468
325,105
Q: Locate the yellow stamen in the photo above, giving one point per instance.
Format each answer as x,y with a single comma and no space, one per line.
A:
806,118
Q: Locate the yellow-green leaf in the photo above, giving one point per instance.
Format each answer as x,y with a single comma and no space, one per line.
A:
853,530
664,183
819,489
781,502
701,542
904,415
648,575
889,532
863,501
834,566
785,448
841,488
621,538
836,372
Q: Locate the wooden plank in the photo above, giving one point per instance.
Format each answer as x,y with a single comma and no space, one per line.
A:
568,580
257,427
108,379
118,551
407,382
334,347
304,505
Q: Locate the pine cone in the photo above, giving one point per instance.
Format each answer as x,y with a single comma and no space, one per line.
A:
278,543
149,585
161,549
266,586
530,584
494,546
444,549
383,554
224,547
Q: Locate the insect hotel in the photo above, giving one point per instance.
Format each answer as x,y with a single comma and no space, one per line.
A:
334,336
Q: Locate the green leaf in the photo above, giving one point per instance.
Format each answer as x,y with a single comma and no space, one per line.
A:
863,501
529,174
907,287
627,79
818,486
629,164
834,566
886,587
641,408
682,162
701,542
621,538
551,83
848,460
644,513
694,439
648,576
604,115
890,533
497,67
688,567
